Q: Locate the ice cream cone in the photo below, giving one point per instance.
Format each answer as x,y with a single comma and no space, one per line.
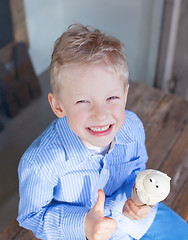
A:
135,198
151,187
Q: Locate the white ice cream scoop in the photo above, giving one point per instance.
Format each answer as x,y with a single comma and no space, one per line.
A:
152,186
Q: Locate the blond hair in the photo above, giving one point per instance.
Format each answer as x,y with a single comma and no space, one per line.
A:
85,45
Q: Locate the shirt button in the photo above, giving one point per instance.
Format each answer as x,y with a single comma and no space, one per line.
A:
104,171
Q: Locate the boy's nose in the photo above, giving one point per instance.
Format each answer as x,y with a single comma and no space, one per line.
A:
100,113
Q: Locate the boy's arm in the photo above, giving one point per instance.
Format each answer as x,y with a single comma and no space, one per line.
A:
38,212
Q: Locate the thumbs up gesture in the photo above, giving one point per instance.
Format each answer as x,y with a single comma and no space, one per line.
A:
96,225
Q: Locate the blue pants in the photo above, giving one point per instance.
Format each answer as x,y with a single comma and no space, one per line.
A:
167,226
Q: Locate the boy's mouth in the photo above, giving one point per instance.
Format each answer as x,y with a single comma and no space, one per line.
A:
100,131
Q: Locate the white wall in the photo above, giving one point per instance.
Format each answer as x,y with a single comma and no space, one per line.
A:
135,23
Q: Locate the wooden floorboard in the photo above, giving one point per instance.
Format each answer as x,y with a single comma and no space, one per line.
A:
165,118
143,100
10,231
180,203
14,232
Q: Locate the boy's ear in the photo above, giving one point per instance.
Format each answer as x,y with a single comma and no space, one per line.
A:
127,89
55,105
126,93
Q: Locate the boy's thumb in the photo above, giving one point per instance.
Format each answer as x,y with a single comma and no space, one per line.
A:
99,205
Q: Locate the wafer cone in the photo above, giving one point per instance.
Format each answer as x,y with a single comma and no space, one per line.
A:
135,198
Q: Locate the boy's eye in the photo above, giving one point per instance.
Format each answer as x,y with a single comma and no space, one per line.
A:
81,101
113,97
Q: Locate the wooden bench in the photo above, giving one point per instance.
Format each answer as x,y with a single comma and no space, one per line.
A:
165,118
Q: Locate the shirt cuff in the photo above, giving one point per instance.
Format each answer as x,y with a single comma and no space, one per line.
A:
137,228
134,228
73,221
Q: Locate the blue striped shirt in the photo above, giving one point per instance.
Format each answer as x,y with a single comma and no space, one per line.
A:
59,180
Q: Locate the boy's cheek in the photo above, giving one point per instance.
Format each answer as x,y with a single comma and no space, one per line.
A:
76,122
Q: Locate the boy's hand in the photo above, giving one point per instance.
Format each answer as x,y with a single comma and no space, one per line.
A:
134,212
96,225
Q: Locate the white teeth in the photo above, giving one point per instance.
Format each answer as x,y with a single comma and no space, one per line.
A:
99,129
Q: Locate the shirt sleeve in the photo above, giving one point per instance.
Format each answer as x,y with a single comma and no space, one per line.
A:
38,212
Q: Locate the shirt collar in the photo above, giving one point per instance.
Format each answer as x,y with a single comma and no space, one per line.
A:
74,147
122,138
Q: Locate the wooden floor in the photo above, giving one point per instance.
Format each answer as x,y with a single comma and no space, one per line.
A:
165,118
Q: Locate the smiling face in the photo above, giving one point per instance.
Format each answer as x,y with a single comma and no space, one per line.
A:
93,98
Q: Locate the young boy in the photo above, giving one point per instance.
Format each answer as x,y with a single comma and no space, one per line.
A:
76,178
